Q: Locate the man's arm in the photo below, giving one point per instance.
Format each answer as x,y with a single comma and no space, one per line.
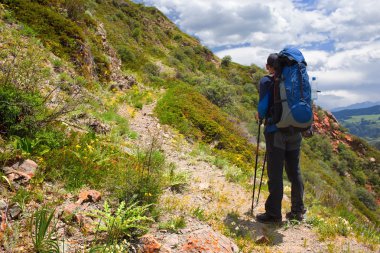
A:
263,105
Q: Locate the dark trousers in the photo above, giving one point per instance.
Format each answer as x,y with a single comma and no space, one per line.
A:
278,157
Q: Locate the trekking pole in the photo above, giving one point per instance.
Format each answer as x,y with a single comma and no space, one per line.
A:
261,179
254,177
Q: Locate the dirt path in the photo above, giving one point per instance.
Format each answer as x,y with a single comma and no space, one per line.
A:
210,197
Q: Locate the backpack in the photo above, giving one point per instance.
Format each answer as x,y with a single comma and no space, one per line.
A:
292,107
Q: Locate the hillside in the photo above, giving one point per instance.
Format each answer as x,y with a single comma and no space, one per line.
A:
364,122
120,133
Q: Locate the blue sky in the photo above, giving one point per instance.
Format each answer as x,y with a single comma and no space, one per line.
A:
339,39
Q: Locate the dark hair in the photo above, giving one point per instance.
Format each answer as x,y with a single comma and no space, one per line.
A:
272,59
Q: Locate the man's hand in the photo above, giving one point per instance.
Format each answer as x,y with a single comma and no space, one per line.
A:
258,120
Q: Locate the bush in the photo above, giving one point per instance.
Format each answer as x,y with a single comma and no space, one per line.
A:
20,112
126,55
226,61
218,92
321,146
367,198
151,69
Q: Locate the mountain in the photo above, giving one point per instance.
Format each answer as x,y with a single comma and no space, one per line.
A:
366,104
347,113
364,122
121,133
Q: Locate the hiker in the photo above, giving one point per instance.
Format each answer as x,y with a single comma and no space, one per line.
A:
282,148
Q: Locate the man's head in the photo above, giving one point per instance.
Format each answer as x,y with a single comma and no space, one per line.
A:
271,62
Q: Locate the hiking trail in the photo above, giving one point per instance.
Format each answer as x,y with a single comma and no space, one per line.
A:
226,204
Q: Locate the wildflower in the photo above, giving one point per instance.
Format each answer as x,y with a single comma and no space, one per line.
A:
78,146
237,228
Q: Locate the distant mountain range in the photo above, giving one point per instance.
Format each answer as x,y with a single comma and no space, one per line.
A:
363,122
348,113
366,104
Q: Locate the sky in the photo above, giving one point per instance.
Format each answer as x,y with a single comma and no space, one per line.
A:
340,39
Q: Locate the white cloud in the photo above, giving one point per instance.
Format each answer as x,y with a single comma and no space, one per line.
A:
340,39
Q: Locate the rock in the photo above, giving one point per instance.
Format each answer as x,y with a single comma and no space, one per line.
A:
3,224
263,240
98,127
150,244
89,196
69,212
172,240
3,204
86,223
207,240
29,167
15,211
204,186
21,172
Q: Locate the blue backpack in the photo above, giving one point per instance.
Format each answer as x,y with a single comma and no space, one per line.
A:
292,108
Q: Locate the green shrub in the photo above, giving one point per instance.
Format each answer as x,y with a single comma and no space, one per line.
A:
321,146
151,69
127,221
226,61
20,111
126,55
218,92
364,196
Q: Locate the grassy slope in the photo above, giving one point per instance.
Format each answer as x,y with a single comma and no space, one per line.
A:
161,56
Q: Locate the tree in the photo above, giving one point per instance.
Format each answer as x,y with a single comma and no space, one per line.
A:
226,61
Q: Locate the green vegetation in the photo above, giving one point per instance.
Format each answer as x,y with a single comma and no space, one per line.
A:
174,225
195,116
126,222
364,123
48,100
43,231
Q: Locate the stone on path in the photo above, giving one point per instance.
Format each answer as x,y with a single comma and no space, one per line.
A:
208,241
89,196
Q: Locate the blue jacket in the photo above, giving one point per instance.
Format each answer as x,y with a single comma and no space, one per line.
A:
266,102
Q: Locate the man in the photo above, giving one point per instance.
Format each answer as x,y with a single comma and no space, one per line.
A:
281,147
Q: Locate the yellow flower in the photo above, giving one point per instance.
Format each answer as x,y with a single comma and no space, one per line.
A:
78,146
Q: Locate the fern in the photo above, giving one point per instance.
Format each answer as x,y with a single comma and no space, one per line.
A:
126,222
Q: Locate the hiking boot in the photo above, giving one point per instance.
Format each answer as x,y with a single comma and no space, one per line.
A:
266,218
294,216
